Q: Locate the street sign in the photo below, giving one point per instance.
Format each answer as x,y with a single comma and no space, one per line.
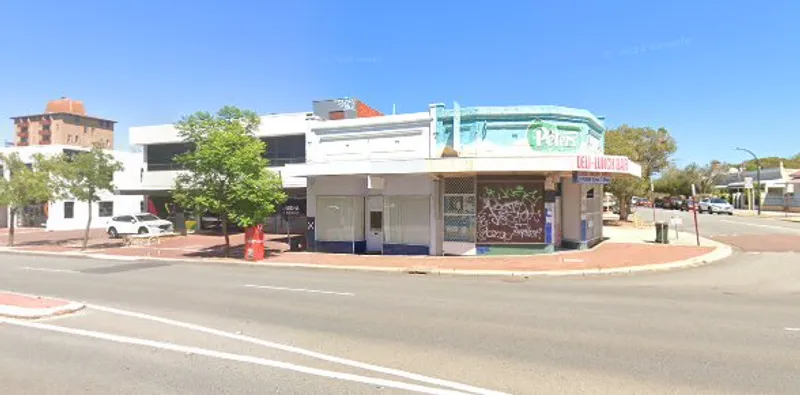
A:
790,188
676,221
748,182
694,190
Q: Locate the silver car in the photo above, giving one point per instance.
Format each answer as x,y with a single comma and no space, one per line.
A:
715,206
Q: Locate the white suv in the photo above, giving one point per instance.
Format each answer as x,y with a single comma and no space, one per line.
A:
143,223
715,205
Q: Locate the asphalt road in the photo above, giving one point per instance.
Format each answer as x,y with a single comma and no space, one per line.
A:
728,328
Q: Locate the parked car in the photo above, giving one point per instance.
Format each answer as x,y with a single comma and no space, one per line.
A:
143,223
676,203
715,205
644,202
687,205
659,203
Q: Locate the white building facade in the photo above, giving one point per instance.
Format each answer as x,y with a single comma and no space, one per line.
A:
461,181
160,144
70,214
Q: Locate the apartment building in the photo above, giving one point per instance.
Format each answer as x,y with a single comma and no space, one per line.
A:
63,122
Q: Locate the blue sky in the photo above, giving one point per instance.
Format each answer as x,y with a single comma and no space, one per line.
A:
716,74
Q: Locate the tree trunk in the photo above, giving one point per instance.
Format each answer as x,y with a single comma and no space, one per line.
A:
88,226
12,226
227,237
624,209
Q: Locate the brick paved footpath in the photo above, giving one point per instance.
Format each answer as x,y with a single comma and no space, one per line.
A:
606,255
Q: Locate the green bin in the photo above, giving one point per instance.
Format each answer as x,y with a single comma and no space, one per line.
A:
662,232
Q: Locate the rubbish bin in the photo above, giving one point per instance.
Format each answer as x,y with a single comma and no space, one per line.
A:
662,233
297,243
254,243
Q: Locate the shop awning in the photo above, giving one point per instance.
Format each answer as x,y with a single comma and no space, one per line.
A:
539,164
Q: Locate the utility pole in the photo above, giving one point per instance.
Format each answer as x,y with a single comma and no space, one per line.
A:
758,176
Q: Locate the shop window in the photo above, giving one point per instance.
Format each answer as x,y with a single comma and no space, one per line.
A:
340,218
407,220
69,210
105,209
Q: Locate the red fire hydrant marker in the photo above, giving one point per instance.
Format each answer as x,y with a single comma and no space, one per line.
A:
254,243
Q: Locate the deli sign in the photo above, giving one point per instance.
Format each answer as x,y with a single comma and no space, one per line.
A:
603,163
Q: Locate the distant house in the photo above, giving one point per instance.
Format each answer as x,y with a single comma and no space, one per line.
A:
773,185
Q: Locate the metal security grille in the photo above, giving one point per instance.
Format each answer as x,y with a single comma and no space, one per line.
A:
458,203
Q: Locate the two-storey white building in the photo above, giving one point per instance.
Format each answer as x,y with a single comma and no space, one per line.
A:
70,214
284,135
462,181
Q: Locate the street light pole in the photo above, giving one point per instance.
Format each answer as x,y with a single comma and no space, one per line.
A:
758,175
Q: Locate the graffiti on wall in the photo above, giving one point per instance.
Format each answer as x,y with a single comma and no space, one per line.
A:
510,212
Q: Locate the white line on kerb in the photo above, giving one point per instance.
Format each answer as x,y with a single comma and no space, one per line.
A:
301,351
792,329
44,269
233,357
312,291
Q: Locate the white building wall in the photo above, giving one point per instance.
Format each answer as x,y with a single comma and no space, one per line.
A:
271,125
405,136
122,205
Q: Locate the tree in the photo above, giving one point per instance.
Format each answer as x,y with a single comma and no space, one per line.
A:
646,146
27,184
83,176
226,170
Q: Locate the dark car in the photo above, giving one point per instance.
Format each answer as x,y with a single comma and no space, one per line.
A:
676,203
659,203
687,205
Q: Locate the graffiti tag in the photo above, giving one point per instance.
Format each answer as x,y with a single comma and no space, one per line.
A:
511,214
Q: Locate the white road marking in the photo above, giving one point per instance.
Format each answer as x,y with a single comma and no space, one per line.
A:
762,226
573,260
300,351
233,357
792,329
313,291
44,269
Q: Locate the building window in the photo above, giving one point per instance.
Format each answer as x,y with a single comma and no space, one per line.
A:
282,150
105,209
69,210
69,138
334,115
161,157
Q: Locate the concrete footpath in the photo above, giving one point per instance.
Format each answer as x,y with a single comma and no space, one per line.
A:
626,249
16,305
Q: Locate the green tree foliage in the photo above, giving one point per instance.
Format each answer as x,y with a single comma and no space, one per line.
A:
675,181
226,171
772,162
27,184
83,176
651,148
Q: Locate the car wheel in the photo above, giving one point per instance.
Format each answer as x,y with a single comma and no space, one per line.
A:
730,213
143,230
112,233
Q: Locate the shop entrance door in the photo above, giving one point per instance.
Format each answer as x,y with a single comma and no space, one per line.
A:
374,224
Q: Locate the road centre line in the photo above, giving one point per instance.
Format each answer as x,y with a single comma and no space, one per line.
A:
300,351
313,291
233,357
762,226
44,269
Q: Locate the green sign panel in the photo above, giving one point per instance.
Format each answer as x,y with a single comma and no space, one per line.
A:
549,137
